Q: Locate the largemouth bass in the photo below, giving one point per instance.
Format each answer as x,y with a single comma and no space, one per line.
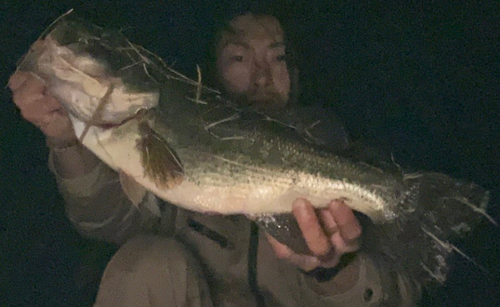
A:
193,148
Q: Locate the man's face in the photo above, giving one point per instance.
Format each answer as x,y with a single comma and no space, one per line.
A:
251,62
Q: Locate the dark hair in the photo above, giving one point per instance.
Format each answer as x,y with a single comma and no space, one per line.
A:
221,21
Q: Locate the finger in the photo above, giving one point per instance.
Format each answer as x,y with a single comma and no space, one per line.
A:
17,79
342,246
29,92
38,44
57,125
332,261
34,113
35,105
304,262
282,251
50,103
313,233
329,224
348,224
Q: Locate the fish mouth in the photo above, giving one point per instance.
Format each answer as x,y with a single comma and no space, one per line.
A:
88,86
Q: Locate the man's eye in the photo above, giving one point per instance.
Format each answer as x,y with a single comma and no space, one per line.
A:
237,58
281,58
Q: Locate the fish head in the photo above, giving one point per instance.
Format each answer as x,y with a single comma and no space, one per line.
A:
98,78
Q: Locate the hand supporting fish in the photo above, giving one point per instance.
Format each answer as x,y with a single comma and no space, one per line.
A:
329,233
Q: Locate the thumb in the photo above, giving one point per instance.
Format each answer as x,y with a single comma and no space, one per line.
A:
17,79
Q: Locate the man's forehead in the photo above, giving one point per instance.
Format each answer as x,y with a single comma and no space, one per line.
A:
253,27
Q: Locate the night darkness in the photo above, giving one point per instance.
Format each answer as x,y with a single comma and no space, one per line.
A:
421,80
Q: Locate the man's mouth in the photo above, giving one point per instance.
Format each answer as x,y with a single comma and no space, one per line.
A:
263,100
261,96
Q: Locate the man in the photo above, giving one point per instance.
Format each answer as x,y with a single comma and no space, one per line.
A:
212,260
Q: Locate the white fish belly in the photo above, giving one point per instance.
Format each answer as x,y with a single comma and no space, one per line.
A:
218,193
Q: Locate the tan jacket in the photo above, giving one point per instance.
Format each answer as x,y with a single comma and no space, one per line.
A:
98,208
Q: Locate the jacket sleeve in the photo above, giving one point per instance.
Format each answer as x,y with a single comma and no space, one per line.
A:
377,285
97,206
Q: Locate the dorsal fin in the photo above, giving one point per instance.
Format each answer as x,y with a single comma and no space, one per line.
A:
159,161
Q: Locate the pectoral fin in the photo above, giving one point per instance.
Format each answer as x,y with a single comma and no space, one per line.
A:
159,161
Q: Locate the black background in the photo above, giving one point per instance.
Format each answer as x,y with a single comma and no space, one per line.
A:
421,79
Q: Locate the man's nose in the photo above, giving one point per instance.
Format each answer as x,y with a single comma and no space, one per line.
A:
262,74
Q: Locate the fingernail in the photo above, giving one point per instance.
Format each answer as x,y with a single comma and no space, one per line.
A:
311,262
334,204
299,203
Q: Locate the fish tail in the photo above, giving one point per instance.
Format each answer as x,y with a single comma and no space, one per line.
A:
436,211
